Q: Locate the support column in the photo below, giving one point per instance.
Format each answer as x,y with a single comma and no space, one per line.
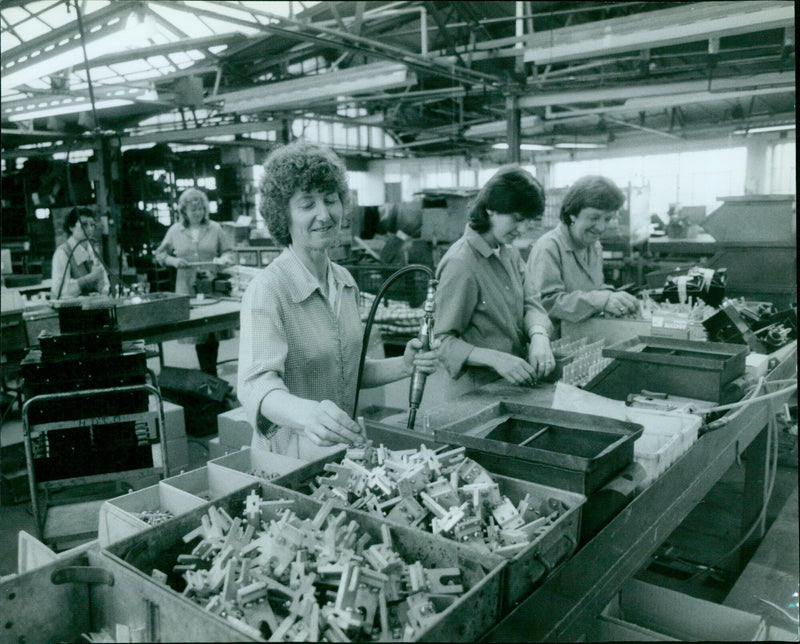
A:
756,167
513,127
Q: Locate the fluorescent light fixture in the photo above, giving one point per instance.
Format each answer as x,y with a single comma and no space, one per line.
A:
65,108
300,92
577,145
524,146
766,128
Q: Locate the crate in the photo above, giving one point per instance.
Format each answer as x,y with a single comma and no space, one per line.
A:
260,465
118,516
411,288
572,451
650,610
211,482
468,618
526,568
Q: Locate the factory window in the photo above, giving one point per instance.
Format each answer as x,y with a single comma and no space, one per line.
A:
782,168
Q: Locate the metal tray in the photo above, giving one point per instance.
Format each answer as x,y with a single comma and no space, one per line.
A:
726,359
698,370
528,567
562,449
466,620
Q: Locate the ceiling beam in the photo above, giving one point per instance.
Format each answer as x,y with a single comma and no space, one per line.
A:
349,42
650,29
668,91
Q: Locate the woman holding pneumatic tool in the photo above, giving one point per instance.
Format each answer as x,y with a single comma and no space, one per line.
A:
565,266
488,328
301,331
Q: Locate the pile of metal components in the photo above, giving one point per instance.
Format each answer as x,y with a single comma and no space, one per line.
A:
154,517
441,491
276,576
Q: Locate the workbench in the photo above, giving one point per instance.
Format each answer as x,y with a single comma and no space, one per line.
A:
564,607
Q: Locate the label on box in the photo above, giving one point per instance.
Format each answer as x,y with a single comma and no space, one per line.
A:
660,322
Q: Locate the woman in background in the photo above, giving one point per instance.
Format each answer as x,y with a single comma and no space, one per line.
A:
86,273
487,326
565,266
301,331
191,243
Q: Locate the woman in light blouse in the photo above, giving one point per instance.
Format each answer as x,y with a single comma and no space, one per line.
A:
489,330
565,266
301,331
191,243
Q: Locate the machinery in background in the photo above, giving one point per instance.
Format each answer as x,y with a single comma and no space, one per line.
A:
759,325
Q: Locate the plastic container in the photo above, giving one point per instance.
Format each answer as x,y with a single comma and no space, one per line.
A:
686,425
655,452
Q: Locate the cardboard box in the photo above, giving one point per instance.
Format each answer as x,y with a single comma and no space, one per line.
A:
217,449
648,609
233,428
174,421
211,482
119,516
263,465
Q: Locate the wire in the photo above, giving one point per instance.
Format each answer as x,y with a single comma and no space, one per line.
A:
772,429
371,317
793,619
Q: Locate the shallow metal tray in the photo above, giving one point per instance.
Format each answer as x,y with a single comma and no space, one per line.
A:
525,569
466,620
562,449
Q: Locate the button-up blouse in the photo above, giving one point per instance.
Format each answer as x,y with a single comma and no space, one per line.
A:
292,338
178,242
567,279
82,255
480,302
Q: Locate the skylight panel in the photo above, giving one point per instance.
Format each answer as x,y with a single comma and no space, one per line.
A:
189,23
134,66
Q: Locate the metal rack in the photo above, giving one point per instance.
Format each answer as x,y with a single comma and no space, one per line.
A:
148,428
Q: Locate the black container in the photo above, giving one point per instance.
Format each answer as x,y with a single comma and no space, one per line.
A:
567,450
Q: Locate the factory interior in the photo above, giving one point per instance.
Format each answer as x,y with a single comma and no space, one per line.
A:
398,321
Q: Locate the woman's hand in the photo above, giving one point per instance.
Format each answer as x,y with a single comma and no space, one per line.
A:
178,262
425,361
540,356
223,260
328,425
621,303
513,369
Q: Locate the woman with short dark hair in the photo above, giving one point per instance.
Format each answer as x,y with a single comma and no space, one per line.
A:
196,243
301,330
76,267
487,327
565,266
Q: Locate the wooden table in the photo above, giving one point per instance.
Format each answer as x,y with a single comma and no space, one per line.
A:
208,318
565,606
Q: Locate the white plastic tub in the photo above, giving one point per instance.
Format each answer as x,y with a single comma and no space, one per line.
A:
655,452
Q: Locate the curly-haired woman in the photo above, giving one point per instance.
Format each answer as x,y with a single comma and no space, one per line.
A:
301,328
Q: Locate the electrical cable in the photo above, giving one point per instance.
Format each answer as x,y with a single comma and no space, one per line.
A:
371,317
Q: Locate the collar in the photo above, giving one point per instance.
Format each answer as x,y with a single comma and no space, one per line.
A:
475,240
301,282
566,238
